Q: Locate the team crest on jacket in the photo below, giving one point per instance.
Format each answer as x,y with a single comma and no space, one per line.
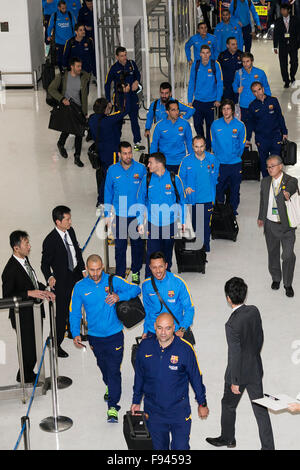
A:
174,359
86,44
234,131
168,187
107,289
209,71
255,76
208,42
180,129
271,106
171,293
136,176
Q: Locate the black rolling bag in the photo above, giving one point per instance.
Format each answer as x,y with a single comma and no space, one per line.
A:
289,152
136,433
144,158
189,260
250,165
223,223
48,74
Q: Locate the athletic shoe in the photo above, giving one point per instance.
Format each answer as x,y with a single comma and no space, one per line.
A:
112,415
135,278
138,146
106,396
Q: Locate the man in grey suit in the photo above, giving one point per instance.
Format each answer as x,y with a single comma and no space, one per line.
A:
245,338
275,190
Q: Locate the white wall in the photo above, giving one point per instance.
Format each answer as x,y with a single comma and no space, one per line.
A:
22,47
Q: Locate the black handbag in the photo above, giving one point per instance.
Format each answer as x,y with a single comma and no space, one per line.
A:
68,119
130,312
134,349
188,334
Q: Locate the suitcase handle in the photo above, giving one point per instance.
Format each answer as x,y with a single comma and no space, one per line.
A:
133,433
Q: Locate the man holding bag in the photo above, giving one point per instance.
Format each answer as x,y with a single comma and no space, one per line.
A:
277,188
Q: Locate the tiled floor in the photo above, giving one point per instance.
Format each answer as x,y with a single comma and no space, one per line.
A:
34,179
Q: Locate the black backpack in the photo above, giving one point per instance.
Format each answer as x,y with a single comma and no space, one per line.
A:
172,174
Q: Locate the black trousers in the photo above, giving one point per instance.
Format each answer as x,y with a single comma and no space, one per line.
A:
63,292
28,343
284,53
230,402
78,142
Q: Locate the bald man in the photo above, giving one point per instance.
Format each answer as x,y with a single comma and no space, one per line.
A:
165,365
105,333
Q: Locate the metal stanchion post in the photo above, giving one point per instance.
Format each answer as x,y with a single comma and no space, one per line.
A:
83,326
19,348
62,381
54,423
25,420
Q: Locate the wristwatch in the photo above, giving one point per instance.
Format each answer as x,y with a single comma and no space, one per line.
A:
203,405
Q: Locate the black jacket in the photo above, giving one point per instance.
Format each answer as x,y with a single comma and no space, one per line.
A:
16,283
245,338
55,258
294,32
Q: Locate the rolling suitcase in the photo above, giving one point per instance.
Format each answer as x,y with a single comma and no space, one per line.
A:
250,165
289,152
223,223
136,433
48,74
189,259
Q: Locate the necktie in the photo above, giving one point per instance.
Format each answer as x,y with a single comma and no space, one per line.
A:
70,259
30,274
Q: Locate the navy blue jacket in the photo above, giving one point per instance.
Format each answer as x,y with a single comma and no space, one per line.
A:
230,63
84,50
131,74
86,17
266,119
163,377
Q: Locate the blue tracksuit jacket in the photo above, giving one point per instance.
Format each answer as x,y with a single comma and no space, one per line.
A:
176,295
74,6
174,140
123,184
101,318
223,31
228,140
64,29
49,8
242,12
163,377
201,176
245,79
205,87
161,193
197,41
161,113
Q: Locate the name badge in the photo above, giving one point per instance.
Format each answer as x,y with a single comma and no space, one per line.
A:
287,35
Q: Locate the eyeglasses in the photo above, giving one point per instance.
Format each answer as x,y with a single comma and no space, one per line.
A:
273,166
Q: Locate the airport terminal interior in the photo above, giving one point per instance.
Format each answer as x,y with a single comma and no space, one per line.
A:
34,179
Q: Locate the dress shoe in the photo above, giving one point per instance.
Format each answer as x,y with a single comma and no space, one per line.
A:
286,85
275,285
78,162
62,353
289,291
62,150
220,442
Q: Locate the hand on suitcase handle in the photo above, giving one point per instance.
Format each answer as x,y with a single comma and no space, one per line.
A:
135,409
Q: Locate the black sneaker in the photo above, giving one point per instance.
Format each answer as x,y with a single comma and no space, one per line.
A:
275,285
286,85
135,278
138,146
289,291
62,150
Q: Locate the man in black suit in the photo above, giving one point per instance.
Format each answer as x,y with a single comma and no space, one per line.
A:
19,280
275,190
63,266
245,337
287,38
